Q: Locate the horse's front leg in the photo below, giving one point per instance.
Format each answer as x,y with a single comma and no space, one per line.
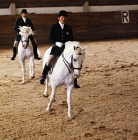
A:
52,96
46,88
69,90
22,62
32,67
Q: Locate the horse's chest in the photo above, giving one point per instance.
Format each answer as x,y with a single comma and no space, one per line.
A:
62,80
25,52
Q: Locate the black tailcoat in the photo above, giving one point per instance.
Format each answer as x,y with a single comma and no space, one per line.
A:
57,34
20,22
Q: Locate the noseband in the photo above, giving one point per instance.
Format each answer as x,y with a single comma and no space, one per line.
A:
70,65
25,41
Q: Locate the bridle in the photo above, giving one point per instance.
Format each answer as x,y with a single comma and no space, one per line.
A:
70,65
25,41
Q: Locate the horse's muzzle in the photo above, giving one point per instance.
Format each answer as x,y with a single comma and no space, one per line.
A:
76,75
25,47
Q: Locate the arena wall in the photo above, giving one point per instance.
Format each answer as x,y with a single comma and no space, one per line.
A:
86,26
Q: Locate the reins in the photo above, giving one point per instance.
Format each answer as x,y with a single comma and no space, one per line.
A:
70,65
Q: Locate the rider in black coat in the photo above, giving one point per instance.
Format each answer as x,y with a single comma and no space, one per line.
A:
24,21
20,22
59,33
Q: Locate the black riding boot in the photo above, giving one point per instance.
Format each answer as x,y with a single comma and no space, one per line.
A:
44,73
76,85
35,50
14,53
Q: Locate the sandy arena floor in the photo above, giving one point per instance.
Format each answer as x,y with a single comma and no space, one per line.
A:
105,107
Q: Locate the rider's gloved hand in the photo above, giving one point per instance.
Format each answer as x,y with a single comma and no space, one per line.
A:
59,44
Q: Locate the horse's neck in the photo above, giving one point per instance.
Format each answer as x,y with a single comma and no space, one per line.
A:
61,67
67,55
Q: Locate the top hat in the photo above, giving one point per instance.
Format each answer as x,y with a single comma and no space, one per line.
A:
62,13
24,11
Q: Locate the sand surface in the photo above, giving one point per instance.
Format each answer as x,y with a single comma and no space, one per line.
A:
105,107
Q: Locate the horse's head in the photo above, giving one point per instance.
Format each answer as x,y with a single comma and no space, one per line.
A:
25,32
77,59
74,51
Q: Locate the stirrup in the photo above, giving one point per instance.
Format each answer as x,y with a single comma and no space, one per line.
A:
43,78
42,81
38,58
76,85
13,58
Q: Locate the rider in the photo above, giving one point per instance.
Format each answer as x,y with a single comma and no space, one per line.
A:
24,21
59,33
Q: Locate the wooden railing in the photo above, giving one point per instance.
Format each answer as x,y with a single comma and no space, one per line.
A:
86,26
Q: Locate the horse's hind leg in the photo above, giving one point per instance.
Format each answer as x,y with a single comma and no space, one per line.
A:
32,67
22,62
52,96
46,88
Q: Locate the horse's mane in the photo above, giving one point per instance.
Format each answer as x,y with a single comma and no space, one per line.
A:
70,45
26,29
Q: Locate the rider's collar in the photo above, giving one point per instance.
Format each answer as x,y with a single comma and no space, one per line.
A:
62,25
24,19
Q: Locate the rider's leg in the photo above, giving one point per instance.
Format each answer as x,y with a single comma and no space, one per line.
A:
15,46
34,44
76,85
46,69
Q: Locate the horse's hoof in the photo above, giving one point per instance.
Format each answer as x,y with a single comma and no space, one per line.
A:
32,77
23,82
71,117
45,95
48,109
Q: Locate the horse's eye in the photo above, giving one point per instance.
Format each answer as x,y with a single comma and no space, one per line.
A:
75,60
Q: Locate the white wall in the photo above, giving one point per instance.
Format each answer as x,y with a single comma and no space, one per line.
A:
4,12
42,10
49,10
112,8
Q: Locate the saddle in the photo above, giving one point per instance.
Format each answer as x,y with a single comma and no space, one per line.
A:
54,60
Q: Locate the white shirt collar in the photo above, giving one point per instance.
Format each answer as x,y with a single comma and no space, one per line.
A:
24,19
62,25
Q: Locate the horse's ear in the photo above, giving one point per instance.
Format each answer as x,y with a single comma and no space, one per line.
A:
76,47
85,47
33,32
84,50
20,27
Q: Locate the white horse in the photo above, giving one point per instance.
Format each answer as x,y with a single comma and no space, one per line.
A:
67,68
25,50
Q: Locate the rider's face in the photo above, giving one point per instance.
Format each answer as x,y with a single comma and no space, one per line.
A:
62,19
24,15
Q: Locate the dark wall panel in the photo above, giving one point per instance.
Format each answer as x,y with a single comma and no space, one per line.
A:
86,26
